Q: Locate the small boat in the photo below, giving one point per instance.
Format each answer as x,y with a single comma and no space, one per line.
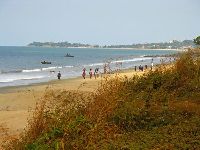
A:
46,62
68,55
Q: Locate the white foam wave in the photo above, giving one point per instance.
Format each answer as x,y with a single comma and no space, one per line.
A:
33,70
49,68
44,69
95,64
68,66
15,78
118,61
130,60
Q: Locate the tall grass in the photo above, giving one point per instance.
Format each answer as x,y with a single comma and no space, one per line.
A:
159,110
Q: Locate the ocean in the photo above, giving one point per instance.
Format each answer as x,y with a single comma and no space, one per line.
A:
22,65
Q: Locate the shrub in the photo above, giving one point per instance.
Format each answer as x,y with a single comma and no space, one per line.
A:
159,110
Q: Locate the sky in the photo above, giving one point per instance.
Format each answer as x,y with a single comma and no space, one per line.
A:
98,21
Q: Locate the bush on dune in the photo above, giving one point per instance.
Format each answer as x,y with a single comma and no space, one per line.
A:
158,110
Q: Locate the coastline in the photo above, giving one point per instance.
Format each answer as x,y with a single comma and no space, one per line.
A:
109,48
11,89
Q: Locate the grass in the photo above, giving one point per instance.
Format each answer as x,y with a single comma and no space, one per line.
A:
159,110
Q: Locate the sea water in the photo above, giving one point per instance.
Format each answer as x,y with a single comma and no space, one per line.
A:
22,65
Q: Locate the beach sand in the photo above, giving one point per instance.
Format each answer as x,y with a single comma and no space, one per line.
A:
16,102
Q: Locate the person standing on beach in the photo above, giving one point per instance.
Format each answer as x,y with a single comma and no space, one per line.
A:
84,73
135,68
90,73
151,65
59,75
146,67
96,73
140,68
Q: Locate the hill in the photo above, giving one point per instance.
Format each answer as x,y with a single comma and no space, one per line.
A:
166,45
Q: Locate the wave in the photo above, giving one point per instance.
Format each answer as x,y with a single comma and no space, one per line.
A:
68,66
42,69
33,70
14,78
95,64
56,67
49,68
130,60
119,61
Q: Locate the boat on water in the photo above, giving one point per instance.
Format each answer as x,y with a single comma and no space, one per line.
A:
46,62
69,55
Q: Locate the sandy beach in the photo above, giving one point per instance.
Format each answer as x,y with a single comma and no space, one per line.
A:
16,102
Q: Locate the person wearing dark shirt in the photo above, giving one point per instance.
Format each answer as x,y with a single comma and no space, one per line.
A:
59,75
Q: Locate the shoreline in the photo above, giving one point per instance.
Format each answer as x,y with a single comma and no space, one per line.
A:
6,89
10,89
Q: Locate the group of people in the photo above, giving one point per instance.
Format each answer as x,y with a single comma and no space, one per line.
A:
96,71
91,73
141,68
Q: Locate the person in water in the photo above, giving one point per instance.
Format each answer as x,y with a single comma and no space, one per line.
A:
84,73
59,75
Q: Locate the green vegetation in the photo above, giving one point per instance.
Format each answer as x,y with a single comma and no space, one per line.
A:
159,110
166,45
163,45
59,44
197,40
